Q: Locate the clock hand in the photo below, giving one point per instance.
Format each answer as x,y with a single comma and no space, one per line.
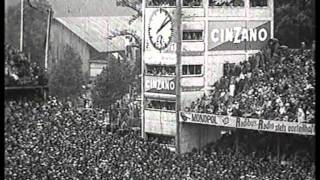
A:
163,24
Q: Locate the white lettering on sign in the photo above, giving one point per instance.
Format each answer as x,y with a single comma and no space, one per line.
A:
238,35
213,35
160,84
264,36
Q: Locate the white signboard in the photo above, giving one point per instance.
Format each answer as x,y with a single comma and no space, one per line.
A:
249,123
160,122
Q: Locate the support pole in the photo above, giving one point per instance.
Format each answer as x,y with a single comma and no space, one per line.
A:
142,50
237,141
21,26
278,148
47,40
178,73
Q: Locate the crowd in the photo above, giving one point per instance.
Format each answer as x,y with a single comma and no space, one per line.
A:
53,140
161,70
19,70
197,3
161,3
275,84
260,3
229,3
192,35
161,105
192,3
126,110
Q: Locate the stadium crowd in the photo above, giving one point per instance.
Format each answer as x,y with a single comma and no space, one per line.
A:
20,71
161,3
229,3
161,105
160,70
54,140
275,84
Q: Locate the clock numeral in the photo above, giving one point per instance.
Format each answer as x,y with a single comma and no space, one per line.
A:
173,47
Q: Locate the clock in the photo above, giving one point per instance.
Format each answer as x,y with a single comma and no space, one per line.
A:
160,29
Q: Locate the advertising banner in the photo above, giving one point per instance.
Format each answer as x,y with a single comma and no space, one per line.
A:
238,35
209,119
160,84
160,122
260,27
248,123
287,127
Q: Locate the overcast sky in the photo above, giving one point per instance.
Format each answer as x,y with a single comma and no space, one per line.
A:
83,8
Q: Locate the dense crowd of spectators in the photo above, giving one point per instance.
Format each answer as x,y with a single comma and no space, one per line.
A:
219,3
126,110
161,70
275,84
192,3
258,3
19,70
161,3
53,140
226,3
161,105
192,35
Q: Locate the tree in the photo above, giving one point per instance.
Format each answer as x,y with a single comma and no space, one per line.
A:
35,24
113,83
66,77
135,5
295,22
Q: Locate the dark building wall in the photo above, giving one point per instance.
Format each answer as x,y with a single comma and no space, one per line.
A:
61,36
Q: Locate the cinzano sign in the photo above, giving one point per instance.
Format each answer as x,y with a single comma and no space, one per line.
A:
165,85
238,34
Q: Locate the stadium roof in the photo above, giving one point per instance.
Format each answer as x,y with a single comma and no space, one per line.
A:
95,30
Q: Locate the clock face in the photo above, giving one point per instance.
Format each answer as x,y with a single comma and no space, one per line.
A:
160,29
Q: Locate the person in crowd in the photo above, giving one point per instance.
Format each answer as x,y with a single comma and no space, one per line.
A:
20,71
44,141
274,86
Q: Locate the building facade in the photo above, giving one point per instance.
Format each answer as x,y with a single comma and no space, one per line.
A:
88,36
212,33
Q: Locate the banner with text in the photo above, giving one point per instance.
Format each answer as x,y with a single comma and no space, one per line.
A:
158,84
238,35
248,123
160,122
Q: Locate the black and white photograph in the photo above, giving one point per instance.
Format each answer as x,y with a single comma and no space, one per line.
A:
159,89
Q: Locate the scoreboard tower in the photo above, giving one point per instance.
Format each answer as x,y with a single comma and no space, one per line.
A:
185,46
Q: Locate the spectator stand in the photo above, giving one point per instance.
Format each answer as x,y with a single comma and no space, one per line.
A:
47,141
38,93
23,79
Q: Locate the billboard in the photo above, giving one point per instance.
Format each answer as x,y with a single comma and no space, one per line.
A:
238,35
160,84
248,123
160,122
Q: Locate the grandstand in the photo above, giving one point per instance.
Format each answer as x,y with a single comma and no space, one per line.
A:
24,79
247,106
230,73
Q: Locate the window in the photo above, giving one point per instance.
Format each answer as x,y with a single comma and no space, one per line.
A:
192,35
192,3
96,69
191,69
161,3
228,3
157,70
258,3
161,105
